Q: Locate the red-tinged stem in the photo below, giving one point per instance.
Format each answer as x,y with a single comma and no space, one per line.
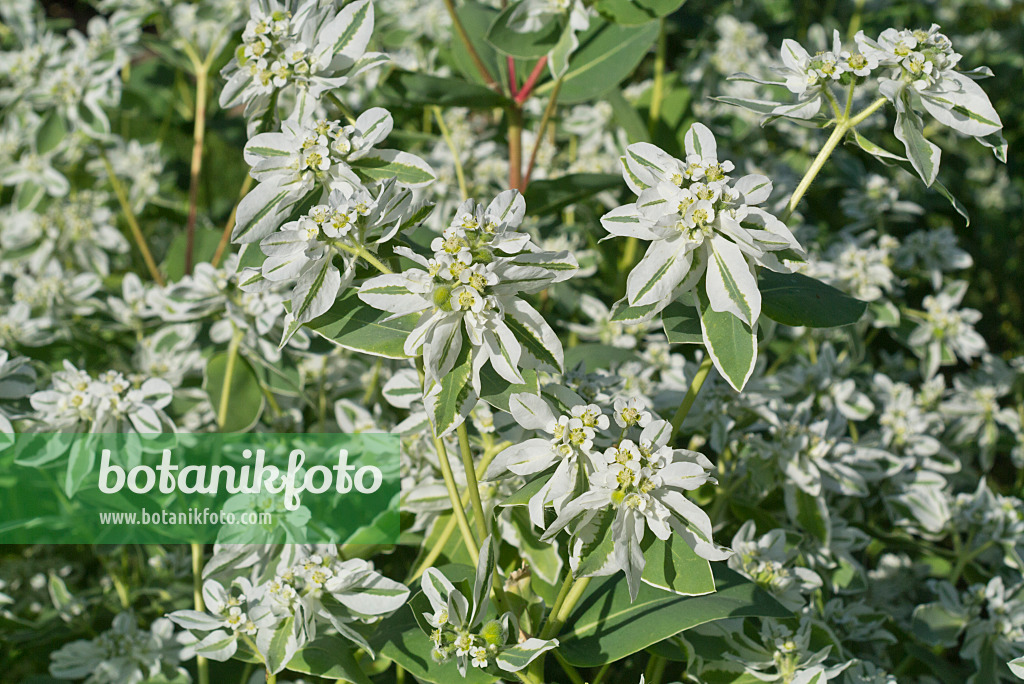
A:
512,81
527,88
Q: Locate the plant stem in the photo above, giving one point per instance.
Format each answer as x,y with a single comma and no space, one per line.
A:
459,173
464,37
202,664
453,495
133,223
843,126
655,669
471,482
560,612
360,251
691,395
531,80
549,110
446,533
229,370
515,147
271,678
570,671
198,138
658,90
225,236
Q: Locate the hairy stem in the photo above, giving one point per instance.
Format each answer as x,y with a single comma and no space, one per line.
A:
133,223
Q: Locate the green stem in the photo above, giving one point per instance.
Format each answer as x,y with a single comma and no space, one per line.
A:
453,496
549,110
655,669
225,236
225,388
202,664
691,395
558,617
570,671
843,126
361,251
460,175
133,223
471,483
602,673
271,678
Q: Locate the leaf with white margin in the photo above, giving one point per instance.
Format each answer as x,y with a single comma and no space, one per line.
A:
521,655
449,401
755,188
700,140
348,34
659,273
731,286
316,290
731,343
923,155
540,343
407,168
263,210
962,105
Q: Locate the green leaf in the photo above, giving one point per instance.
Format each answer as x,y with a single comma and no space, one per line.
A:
731,343
545,197
597,548
456,396
923,155
936,625
206,240
530,45
407,88
597,356
673,566
682,324
626,116
797,300
527,491
622,312
608,53
245,403
543,557
477,19
352,324
496,390
278,649
50,133
636,11
811,512
330,657
605,626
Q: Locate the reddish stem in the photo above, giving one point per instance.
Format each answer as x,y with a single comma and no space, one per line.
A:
512,81
527,88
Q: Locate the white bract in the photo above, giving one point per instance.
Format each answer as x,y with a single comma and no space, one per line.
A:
303,158
467,298
293,52
705,231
